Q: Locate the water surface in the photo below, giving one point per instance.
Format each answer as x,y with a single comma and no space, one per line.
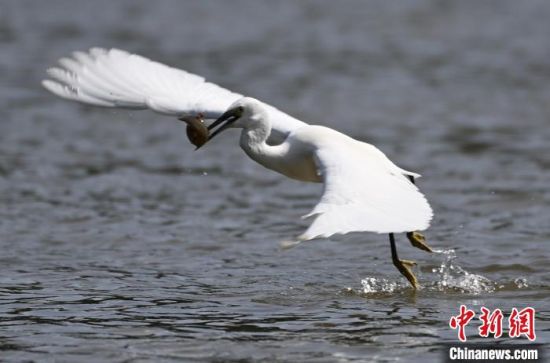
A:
120,243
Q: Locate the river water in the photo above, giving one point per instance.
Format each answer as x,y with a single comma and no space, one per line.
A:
120,243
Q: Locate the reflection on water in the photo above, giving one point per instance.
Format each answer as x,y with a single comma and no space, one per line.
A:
120,243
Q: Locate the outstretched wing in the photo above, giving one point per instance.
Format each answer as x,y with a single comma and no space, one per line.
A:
364,191
116,78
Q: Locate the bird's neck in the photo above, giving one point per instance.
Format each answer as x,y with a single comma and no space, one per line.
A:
256,136
254,143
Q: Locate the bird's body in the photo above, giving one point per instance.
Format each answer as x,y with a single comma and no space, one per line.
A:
363,191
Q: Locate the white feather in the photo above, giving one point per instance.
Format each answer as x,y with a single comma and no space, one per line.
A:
363,190
116,78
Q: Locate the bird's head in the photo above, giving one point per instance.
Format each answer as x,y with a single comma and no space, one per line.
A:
243,113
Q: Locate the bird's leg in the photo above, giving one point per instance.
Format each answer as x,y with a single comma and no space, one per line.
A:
404,266
418,240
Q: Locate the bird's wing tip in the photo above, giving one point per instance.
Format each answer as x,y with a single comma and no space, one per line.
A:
52,86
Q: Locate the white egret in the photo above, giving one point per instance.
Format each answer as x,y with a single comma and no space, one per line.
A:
363,191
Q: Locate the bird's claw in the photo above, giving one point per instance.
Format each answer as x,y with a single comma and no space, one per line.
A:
418,240
405,267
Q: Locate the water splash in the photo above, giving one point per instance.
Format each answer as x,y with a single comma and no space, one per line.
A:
373,285
453,277
449,277
521,282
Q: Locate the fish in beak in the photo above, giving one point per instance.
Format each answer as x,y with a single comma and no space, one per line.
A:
197,132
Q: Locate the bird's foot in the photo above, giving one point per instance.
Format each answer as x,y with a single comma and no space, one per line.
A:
418,240
405,267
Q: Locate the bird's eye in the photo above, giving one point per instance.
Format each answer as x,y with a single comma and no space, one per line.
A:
240,109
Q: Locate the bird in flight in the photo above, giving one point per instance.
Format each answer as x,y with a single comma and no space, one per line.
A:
363,191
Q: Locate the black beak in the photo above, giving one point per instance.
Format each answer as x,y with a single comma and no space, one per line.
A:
225,121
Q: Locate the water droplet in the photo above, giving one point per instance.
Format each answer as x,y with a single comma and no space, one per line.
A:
521,282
